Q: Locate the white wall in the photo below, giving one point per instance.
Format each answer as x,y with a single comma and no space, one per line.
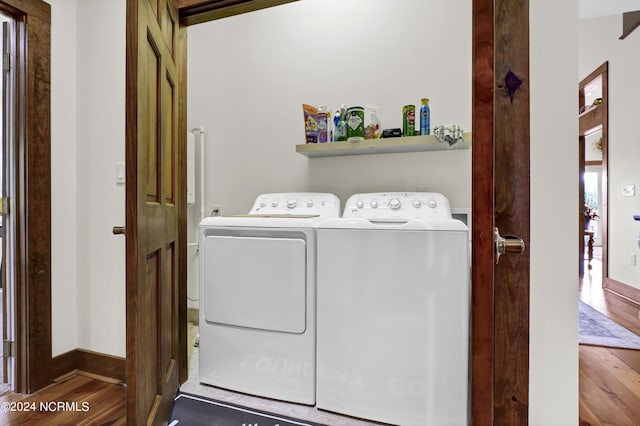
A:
553,369
599,43
101,142
88,103
64,199
249,76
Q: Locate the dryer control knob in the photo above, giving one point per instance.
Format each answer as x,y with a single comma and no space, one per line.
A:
263,204
309,203
359,204
394,204
374,204
274,203
292,203
417,204
432,203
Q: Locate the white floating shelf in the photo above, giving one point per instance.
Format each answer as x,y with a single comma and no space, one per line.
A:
381,146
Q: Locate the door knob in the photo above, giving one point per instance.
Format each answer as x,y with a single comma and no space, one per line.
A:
507,244
117,230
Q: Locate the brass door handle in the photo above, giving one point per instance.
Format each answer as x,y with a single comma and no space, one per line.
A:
117,230
507,244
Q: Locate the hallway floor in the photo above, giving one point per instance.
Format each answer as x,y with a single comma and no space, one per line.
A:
85,399
609,382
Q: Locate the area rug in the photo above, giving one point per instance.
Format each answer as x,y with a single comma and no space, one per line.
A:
598,330
192,410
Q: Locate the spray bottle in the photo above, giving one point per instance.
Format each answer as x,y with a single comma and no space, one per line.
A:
374,129
425,117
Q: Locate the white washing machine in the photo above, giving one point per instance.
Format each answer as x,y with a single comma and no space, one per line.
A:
393,311
258,296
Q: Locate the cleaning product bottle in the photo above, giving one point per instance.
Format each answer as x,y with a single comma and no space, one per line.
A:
336,121
373,130
323,124
375,121
341,128
425,117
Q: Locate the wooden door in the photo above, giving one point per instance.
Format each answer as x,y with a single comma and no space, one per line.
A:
500,293
155,209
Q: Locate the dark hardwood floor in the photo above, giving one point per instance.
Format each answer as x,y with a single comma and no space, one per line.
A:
609,378
80,399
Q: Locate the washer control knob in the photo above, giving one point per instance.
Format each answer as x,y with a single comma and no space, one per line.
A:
309,203
417,204
292,203
374,204
432,203
274,203
263,204
394,204
359,204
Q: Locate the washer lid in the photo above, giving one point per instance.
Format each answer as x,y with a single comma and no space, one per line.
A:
262,221
394,224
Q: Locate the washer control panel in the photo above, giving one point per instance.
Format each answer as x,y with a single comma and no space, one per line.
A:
297,203
398,205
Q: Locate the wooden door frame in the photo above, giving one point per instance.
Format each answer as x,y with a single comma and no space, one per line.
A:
482,216
589,122
32,204
500,68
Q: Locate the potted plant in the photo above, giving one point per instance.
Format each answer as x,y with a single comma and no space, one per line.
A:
590,214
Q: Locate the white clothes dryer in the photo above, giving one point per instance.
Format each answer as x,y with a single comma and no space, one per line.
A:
258,289
393,311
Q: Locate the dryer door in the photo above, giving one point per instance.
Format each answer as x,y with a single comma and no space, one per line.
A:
255,282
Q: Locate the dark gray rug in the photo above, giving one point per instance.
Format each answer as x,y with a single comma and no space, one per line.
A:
598,330
192,410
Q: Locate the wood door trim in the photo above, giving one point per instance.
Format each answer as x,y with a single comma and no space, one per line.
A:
32,204
182,357
33,8
198,11
91,362
482,340
632,294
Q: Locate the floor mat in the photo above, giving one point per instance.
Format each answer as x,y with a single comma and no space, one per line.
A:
598,330
195,410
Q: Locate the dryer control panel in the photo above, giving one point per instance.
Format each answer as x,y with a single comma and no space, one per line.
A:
297,203
398,205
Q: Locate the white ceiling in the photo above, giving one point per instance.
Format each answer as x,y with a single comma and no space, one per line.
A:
595,8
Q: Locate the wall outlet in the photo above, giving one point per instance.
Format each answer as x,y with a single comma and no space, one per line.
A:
628,191
632,258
